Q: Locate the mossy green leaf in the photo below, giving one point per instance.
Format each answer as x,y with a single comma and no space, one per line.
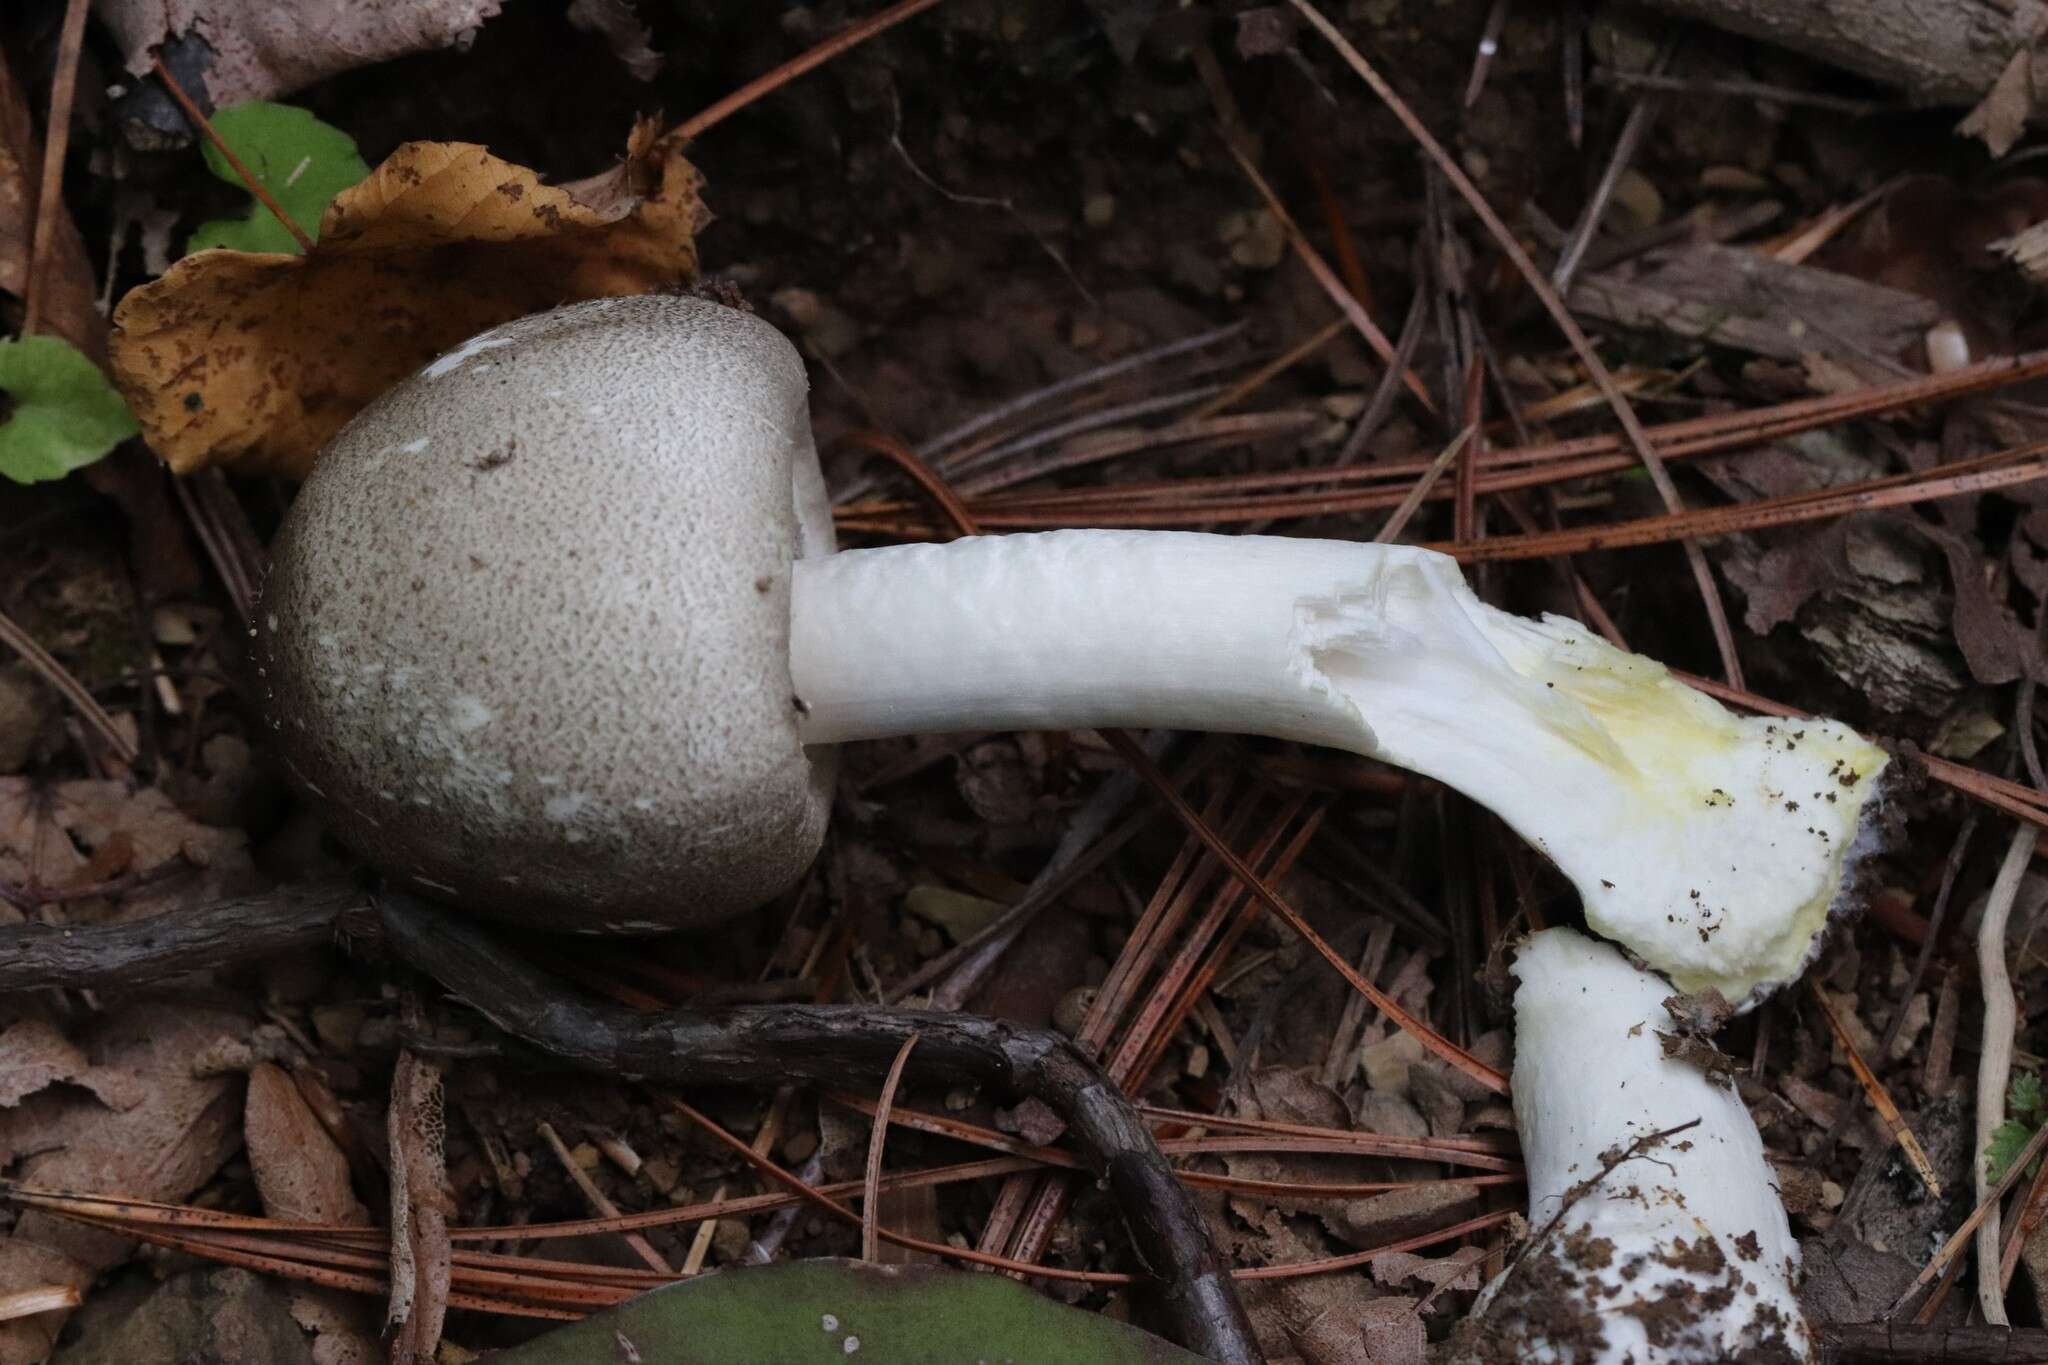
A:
2023,1098
833,1311
303,162
2024,1103
2008,1140
61,413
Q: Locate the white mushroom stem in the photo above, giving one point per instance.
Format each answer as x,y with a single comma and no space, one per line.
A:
1713,846
1675,1254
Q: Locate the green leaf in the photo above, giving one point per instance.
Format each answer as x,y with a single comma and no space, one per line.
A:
65,413
2023,1098
830,1312
303,162
2008,1140
961,916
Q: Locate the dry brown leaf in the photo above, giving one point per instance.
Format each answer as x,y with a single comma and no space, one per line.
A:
2001,118
620,24
1394,1334
1460,1268
254,361
69,308
34,1056
259,48
301,1174
1994,644
65,835
162,1147
342,1325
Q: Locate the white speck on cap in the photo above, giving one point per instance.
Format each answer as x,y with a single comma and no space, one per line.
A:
463,354
469,713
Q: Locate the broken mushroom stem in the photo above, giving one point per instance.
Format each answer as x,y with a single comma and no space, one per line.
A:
1659,1237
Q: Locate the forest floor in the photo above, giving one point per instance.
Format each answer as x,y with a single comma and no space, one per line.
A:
1013,211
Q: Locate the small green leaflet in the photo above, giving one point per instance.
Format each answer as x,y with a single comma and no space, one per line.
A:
64,413
302,162
2024,1109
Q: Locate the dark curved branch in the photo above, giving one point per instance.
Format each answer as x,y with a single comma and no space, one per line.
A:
39,956
755,1045
1899,1343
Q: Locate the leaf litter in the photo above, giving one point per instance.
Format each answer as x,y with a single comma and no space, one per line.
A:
1935,586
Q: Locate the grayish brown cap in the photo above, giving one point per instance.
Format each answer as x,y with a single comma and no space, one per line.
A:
526,632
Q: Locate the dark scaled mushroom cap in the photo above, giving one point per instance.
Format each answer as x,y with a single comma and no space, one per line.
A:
525,637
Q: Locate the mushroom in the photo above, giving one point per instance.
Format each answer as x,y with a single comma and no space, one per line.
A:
1656,1232
556,630
525,635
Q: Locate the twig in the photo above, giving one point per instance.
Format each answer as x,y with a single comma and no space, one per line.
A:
642,1248
56,145
1397,520
99,956
982,201
1089,841
23,1303
1571,60
1266,373
1028,1211
1935,917
1624,412
1327,278
977,459
249,178
1641,118
1578,458
936,488
225,533
830,1044
1880,1098
2033,1206
1489,46
1746,91
1113,444
2000,469
1388,388
1941,1259
1429,1038
1994,1061
1796,246
70,688
1233,1135
1609,1163
1929,1310
1885,1343
871,1184
717,113
1087,379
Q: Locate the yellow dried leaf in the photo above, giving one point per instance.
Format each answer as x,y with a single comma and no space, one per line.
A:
253,361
